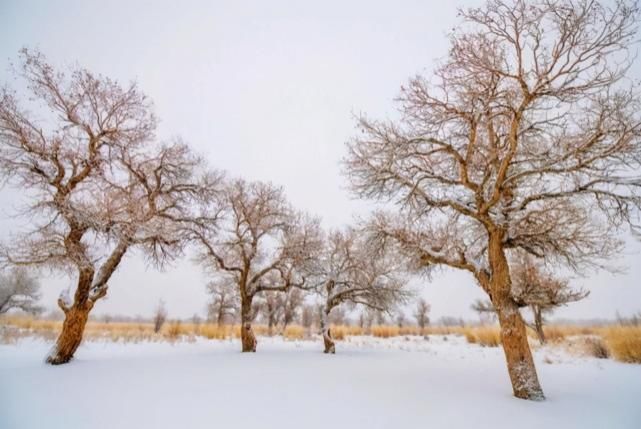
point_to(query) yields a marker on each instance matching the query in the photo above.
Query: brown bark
(71, 335)
(246, 332)
(525, 381)
(330, 346)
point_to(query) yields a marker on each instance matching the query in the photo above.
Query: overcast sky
(265, 90)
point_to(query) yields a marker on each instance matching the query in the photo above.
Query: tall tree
(97, 184)
(526, 137)
(19, 289)
(259, 243)
(350, 273)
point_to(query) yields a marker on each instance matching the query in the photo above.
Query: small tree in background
(349, 273)
(19, 289)
(421, 314)
(160, 316)
(223, 305)
(257, 242)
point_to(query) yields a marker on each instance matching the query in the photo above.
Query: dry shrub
(556, 334)
(383, 331)
(624, 343)
(215, 332)
(595, 347)
(175, 330)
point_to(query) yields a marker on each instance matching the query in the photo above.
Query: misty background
(266, 91)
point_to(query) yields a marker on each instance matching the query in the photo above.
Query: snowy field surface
(371, 383)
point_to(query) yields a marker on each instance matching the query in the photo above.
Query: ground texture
(370, 383)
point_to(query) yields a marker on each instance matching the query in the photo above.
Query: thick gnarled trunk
(520, 364)
(246, 332)
(70, 338)
(330, 346)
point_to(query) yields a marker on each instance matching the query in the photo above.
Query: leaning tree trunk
(246, 332)
(520, 364)
(330, 346)
(76, 316)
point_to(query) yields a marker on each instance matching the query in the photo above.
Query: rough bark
(525, 381)
(71, 335)
(246, 332)
(330, 346)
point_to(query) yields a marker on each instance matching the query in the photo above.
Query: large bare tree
(350, 273)
(19, 289)
(259, 243)
(97, 184)
(526, 137)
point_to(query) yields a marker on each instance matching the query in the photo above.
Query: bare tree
(160, 316)
(271, 307)
(485, 310)
(259, 243)
(349, 273)
(223, 306)
(527, 137)
(99, 184)
(19, 289)
(421, 314)
(542, 292)
(307, 317)
(293, 301)
(401, 319)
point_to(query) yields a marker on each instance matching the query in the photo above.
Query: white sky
(266, 90)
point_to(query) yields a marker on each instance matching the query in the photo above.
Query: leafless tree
(307, 317)
(271, 307)
(541, 292)
(527, 137)
(19, 289)
(422, 314)
(160, 316)
(259, 243)
(98, 184)
(293, 302)
(223, 306)
(485, 310)
(349, 273)
(401, 319)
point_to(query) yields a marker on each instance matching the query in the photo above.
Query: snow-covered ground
(371, 383)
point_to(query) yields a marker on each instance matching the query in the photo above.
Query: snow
(374, 383)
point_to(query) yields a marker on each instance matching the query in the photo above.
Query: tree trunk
(538, 323)
(71, 336)
(246, 332)
(330, 346)
(520, 365)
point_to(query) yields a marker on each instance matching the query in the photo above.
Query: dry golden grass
(486, 336)
(624, 343)
(294, 332)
